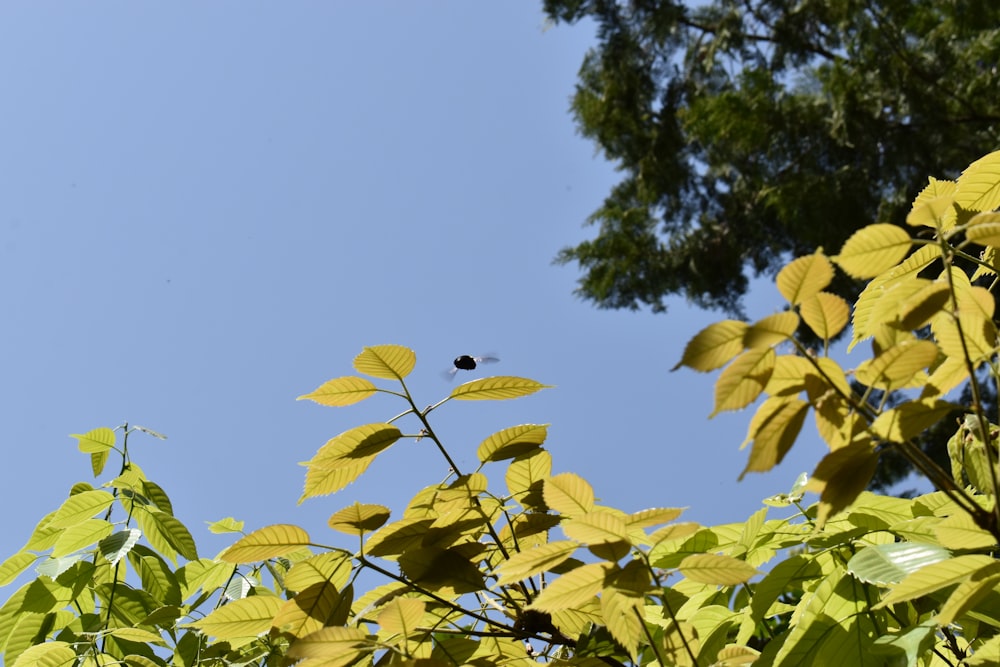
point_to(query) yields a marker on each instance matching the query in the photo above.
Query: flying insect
(468, 363)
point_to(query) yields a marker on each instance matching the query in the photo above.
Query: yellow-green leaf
(80, 536)
(596, 527)
(789, 375)
(98, 441)
(742, 381)
(895, 367)
(80, 507)
(921, 307)
(910, 419)
(268, 542)
(341, 391)
(934, 577)
(322, 480)
(969, 593)
(803, 277)
(388, 362)
(358, 443)
(716, 569)
(332, 566)
(826, 314)
(873, 249)
(246, 617)
(49, 654)
(978, 188)
(771, 330)
(984, 229)
(674, 532)
(401, 616)
(137, 635)
(15, 565)
(358, 519)
(227, 525)
(309, 610)
(512, 442)
(528, 563)
(841, 476)
(525, 476)
(653, 516)
(714, 346)
(496, 388)
(574, 588)
(334, 643)
(961, 532)
(568, 494)
(934, 212)
(773, 430)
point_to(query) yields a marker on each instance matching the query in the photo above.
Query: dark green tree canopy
(748, 130)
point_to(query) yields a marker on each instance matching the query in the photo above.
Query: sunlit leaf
(15, 565)
(826, 314)
(573, 588)
(568, 494)
(978, 188)
(322, 480)
(227, 525)
(528, 563)
(401, 616)
(935, 576)
(773, 430)
(268, 542)
(98, 441)
(388, 362)
(166, 533)
(654, 516)
(922, 306)
(80, 507)
(596, 527)
(771, 330)
(742, 381)
(512, 442)
(804, 277)
(49, 654)
(674, 532)
(342, 644)
(884, 564)
(525, 478)
(496, 388)
(959, 531)
(358, 443)
(341, 391)
(873, 249)
(841, 476)
(80, 536)
(933, 212)
(358, 519)
(896, 366)
(332, 566)
(246, 617)
(717, 569)
(714, 346)
(789, 375)
(910, 419)
(969, 593)
(397, 537)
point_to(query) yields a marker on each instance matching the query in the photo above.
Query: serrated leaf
(496, 388)
(841, 476)
(910, 419)
(358, 519)
(512, 442)
(933, 212)
(534, 561)
(674, 532)
(826, 314)
(309, 610)
(984, 229)
(978, 188)
(961, 532)
(716, 569)
(397, 537)
(873, 249)
(653, 516)
(80, 536)
(97, 441)
(15, 565)
(340, 392)
(884, 564)
(968, 593)
(569, 494)
(401, 616)
(773, 430)
(166, 533)
(771, 330)
(342, 644)
(596, 527)
(924, 304)
(895, 367)
(804, 277)
(525, 478)
(268, 542)
(81, 507)
(388, 362)
(359, 443)
(573, 589)
(246, 617)
(49, 654)
(714, 346)
(332, 566)
(440, 569)
(227, 525)
(742, 381)
(935, 576)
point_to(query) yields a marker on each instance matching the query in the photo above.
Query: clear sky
(209, 208)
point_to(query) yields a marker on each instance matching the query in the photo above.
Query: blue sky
(209, 208)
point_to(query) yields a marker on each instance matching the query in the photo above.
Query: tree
(532, 568)
(748, 131)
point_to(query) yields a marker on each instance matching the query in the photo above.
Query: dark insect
(468, 363)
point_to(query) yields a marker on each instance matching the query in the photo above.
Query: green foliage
(508, 563)
(746, 130)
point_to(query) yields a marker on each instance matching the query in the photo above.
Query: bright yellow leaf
(742, 381)
(804, 276)
(268, 542)
(826, 314)
(388, 362)
(978, 188)
(714, 346)
(873, 249)
(771, 330)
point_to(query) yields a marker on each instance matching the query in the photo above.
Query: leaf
(525, 478)
(246, 617)
(654, 516)
(895, 367)
(716, 569)
(910, 419)
(322, 481)
(49, 654)
(14, 566)
(268, 542)
(309, 610)
(544, 558)
(340, 392)
(80, 536)
(358, 519)
(332, 566)
(401, 616)
(968, 593)
(568, 494)
(445, 570)
(227, 525)
(922, 306)
(841, 476)
(804, 277)
(359, 443)
(714, 346)
(396, 538)
(961, 532)
(884, 564)
(573, 589)
(826, 314)
(166, 533)
(496, 388)
(81, 507)
(388, 362)
(984, 229)
(98, 441)
(742, 381)
(873, 249)
(978, 188)
(935, 576)
(340, 645)
(512, 442)
(597, 527)
(771, 330)
(773, 430)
